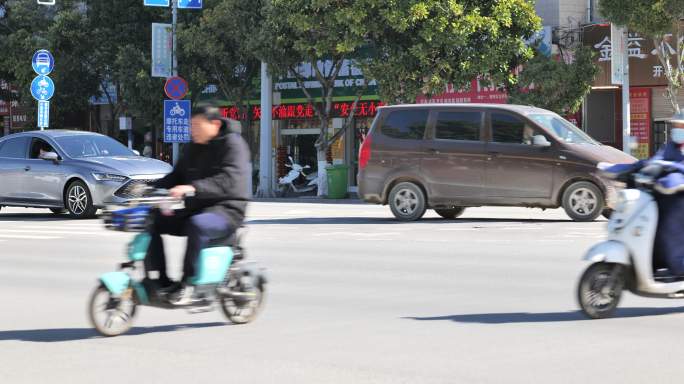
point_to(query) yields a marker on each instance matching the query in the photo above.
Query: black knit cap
(209, 111)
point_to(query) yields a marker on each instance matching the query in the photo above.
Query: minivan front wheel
(407, 201)
(583, 201)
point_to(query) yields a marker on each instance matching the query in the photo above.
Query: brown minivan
(448, 157)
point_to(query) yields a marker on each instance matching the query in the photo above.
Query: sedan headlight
(109, 177)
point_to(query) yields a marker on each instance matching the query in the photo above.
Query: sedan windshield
(563, 129)
(78, 146)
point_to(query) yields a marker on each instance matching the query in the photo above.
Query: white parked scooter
(625, 259)
(288, 181)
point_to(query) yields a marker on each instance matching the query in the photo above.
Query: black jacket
(220, 171)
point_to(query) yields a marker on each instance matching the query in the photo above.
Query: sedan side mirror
(51, 156)
(540, 141)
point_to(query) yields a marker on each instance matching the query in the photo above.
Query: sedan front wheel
(78, 201)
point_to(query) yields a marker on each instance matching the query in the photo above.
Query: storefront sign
(645, 68)
(479, 92)
(306, 111)
(640, 112)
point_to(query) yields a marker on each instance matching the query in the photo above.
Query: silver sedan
(72, 171)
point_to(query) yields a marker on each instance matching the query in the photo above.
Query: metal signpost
(619, 65)
(42, 87)
(175, 4)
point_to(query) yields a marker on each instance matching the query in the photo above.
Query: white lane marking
(30, 237)
(52, 232)
(351, 234)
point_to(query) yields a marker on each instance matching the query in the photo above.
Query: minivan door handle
(433, 151)
(493, 155)
(27, 168)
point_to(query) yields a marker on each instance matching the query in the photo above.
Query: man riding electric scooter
(214, 175)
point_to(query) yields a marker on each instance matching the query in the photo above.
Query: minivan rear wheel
(407, 201)
(451, 213)
(583, 201)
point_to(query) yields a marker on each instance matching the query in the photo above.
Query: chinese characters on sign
(479, 92)
(641, 49)
(176, 121)
(306, 111)
(640, 112)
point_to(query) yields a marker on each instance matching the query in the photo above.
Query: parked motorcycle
(290, 182)
(625, 259)
(224, 278)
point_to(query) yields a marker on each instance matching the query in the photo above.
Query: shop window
(407, 124)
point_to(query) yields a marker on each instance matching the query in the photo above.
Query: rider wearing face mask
(668, 246)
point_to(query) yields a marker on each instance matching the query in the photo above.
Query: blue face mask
(677, 135)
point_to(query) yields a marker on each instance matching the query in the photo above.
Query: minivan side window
(407, 124)
(14, 148)
(507, 129)
(458, 126)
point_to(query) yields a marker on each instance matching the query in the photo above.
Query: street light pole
(174, 64)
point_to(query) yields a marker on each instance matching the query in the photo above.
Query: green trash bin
(337, 181)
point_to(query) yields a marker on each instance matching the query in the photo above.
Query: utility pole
(265, 146)
(626, 114)
(174, 64)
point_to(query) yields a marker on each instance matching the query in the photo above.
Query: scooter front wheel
(600, 289)
(110, 315)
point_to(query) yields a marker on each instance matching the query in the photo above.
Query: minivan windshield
(563, 129)
(79, 146)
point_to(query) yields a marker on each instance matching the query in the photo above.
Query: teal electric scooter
(223, 278)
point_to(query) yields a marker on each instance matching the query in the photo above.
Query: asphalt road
(355, 298)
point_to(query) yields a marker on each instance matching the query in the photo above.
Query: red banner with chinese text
(306, 111)
(640, 120)
(478, 93)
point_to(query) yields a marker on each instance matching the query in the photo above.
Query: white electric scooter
(287, 182)
(625, 259)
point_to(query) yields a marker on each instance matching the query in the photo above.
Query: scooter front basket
(127, 219)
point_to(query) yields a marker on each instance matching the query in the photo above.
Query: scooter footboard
(609, 252)
(116, 282)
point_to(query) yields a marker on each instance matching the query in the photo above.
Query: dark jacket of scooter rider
(668, 246)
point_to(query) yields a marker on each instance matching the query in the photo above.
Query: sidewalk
(311, 200)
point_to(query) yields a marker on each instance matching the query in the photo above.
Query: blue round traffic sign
(176, 88)
(43, 63)
(42, 88)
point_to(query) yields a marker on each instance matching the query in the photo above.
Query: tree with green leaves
(423, 46)
(219, 49)
(553, 84)
(659, 20)
(410, 47)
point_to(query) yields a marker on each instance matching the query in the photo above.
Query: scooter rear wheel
(241, 310)
(109, 315)
(600, 289)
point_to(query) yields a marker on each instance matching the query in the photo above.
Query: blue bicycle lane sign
(42, 88)
(177, 121)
